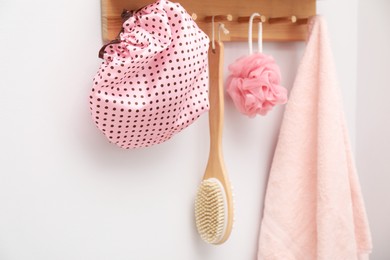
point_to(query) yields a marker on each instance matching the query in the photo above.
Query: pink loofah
(254, 84)
(254, 81)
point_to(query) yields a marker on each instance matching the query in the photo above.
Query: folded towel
(313, 206)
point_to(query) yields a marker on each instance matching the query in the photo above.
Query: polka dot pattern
(154, 82)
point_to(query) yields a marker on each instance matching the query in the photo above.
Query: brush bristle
(210, 211)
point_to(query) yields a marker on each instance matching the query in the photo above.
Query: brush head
(211, 211)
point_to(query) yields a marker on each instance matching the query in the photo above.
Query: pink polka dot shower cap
(153, 81)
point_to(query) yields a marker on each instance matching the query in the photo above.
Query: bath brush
(214, 202)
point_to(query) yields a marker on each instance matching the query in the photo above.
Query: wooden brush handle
(216, 97)
(216, 166)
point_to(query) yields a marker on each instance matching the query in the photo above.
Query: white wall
(373, 125)
(65, 193)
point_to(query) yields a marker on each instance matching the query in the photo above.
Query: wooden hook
(301, 21)
(219, 18)
(284, 19)
(245, 19)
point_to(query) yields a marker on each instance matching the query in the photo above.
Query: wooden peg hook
(301, 21)
(245, 19)
(219, 18)
(194, 16)
(284, 19)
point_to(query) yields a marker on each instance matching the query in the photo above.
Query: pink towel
(314, 207)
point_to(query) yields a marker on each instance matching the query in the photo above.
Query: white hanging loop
(212, 34)
(259, 36)
(222, 28)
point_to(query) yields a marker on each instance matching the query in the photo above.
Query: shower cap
(153, 81)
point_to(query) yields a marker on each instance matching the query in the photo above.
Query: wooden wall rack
(287, 18)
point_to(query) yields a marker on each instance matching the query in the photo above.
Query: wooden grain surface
(111, 21)
(216, 165)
